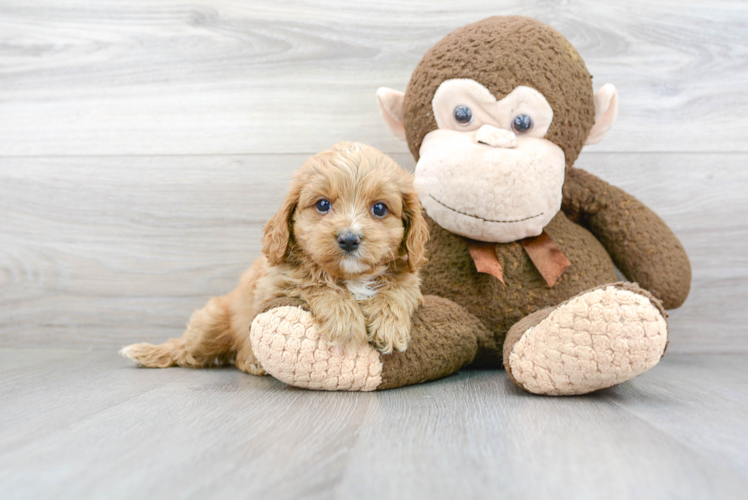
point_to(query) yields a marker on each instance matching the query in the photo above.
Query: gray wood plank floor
(88, 425)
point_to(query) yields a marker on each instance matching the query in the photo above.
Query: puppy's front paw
(388, 332)
(341, 326)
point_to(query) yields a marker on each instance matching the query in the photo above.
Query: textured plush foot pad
(596, 340)
(287, 344)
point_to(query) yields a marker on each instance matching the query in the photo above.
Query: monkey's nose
(496, 137)
(348, 241)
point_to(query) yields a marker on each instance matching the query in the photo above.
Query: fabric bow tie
(542, 250)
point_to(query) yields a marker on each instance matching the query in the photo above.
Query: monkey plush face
(494, 114)
(502, 142)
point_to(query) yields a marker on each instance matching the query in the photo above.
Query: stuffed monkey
(524, 246)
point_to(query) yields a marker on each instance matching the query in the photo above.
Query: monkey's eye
(463, 115)
(323, 206)
(379, 209)
(521, 124)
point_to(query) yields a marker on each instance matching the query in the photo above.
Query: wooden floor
(144, 144)
(77, 424)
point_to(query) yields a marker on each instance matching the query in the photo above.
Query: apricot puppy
(347, 241)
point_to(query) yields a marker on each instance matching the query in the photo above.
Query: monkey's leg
(598, 339)
(287, 344)
(208, 341)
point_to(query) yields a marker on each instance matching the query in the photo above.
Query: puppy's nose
(348, 241)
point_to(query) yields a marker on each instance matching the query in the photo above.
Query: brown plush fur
(443, 340)
(599, 227)
(303, 261)
(451, 273)
(502, 53)
(640, 243)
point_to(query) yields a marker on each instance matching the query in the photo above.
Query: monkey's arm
(640, 243)
(288, 345)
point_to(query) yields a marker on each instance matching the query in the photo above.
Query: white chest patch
(353, 266)
(362, 289)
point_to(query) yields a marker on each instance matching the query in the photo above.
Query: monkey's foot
(288, 346)
(600, 338)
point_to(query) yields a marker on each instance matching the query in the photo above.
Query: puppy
(347, 241)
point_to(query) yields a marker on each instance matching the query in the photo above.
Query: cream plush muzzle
(482, 179)
(517, 193)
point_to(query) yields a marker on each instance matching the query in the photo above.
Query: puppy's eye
(463, 115)
(379, 209)
(521, 124)
(323, 206)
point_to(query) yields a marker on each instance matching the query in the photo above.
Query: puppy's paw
(388, 332)
(343, 325)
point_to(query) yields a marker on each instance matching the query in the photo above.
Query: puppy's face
(351, 210)
(347, 223)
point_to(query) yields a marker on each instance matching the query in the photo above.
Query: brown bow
(542, 250)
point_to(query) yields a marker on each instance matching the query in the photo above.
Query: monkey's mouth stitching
(483, 219)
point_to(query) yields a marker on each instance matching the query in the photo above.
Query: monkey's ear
(391, 107)
(606, 110)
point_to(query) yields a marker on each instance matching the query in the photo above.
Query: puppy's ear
(278, 229)
(416, 231)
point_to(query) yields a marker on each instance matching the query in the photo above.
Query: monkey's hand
(640, 243)
(289, 347)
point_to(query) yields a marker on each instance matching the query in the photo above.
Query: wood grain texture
(144, 144)
(135, 77)
(88, 425)
(104, 251)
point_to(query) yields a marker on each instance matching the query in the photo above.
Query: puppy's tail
(157, 356)
(208, 341)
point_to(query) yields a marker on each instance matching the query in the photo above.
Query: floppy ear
(278, 229)
(416, 231)
(391, 107)
(606, 110)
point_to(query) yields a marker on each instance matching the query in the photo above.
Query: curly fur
(369, 294)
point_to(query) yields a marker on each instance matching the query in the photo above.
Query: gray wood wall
(144, 143)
